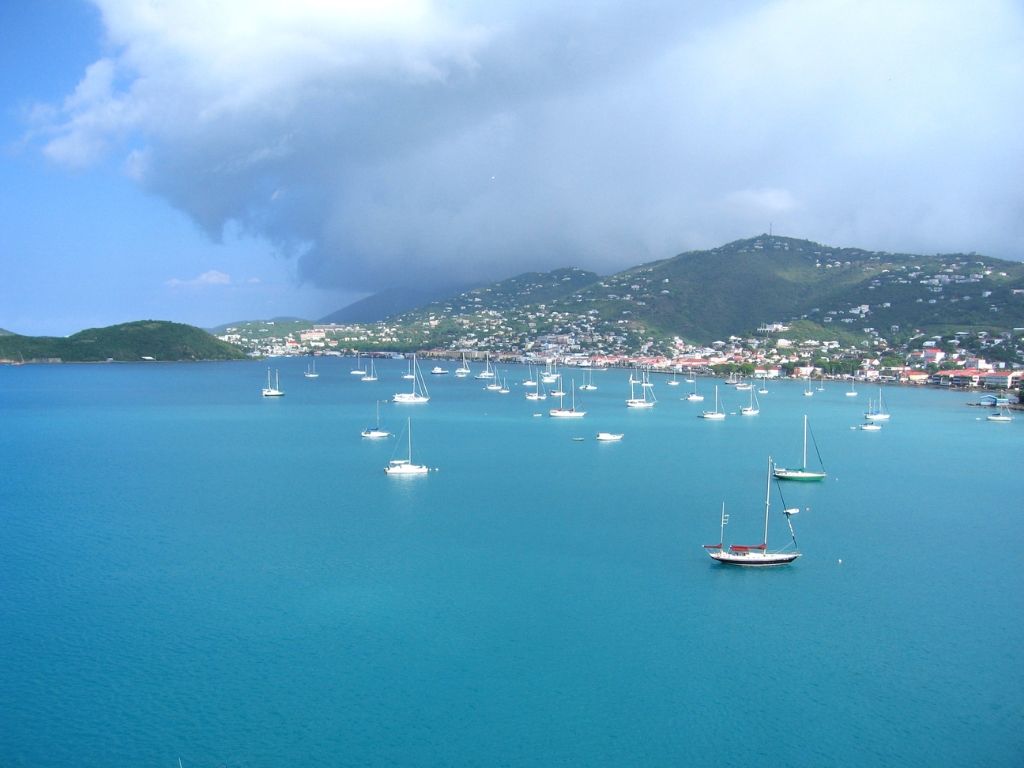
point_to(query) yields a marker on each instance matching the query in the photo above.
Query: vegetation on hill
(144, 339)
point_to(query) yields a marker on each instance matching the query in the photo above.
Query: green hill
(144, 339)
(733, 290)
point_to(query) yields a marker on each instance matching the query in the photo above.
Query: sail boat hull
(754, 559)
(801, 475)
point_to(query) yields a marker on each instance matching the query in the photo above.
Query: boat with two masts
(419, 393)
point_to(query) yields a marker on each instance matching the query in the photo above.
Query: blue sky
(213, 161)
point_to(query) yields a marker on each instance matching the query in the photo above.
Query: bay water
(190, 570)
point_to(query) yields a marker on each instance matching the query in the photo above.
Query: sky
(206, 161)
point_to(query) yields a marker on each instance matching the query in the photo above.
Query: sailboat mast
(408, 429)
(804, 465)
(767, 502)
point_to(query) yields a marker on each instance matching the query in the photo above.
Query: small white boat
(437, 370)
(273, 390)
(588, 383)
(609, 437)
(808, 392)
(375, 433)
(463, 370)
(1003, 417)
(853, 389)
(487, 372)
(673, 382)
(311, 370)
(405, 466)
(419, 392)
(371, 375)
(754, 408)
(802, 473)
(567, 413)
(870, 426)
(715, 415)
(647, 398)
(693, 397)
(504, 387)
(358, 370)
(876, 411)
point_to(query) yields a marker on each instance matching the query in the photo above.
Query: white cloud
(211, 277)
(412, 140)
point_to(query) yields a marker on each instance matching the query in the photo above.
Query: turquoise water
(190, 570)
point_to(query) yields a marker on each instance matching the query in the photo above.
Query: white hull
(870, 427)
(273, 393)
(375, 434)
(609, 437)
(750, 411)
(713, 415)
(406, 398)
(999, 419)
(565, 413)
(754, 559)
(797, 474)
(636, 403)
(695, 398)
(876, 416)
(403, 467)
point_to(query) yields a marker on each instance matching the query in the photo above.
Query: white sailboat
(646, 399)
(495, 384)
(588, 382)
(558, 391)
(463, 370)
(673, 382)
(1002, 417)
(715, 415)
(754, 408)
(487, 372)
(877, 412)
(608, 437)
(821, 383)
(853, 388)
(419, 392)
(504, 387)
(371, 375)
(802, 473)
(405, 466)
(376, 432)
(808, 392)
(763, 390)
(529, 381)
(756, 555)
(409, 375)
(538, 392)
(550, 376)
(273, 390)
(693, 397)
(358, 370)
(311, 370)
(562, 412)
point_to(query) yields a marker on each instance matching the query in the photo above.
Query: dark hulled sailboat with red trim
(757, 555)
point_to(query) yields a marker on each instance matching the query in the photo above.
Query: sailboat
(693, 397)
(487, 372)
(756, 555)
(821, 383)
(689, 375)
(409, 375)
(672, 382)
(311, 370)
(1003, 416)
(495, 385)
(764, 387)
(808, 392)
(405, 466)
(463, 370)
(358, 370)
(372, 374)
(562, 412)
(853, 388)
(754, 408)
(643, 401)
(715, 415)
(538, 393)
(878, 412)
(550, 376)
(376, 432)
(802, 473)
(588, 382)
(608, 437)
(275, 390)
(504, 390)
(529, 381)
(419, 392)
(558, 391)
